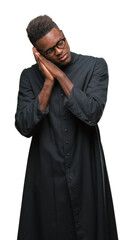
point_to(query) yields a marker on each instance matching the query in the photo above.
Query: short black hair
(39, 27)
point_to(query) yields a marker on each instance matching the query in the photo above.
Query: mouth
(63, 58)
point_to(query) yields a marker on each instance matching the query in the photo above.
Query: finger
(46, 71)
(43, 59)
(36, 56)
(35, 51)
(48, 64)
(44, 68)
(40, 62)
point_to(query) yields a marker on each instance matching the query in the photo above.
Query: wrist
(49, 81)
(60, 76)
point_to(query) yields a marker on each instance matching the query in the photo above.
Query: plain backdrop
(100, 28)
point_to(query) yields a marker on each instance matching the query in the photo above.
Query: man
(60, 101)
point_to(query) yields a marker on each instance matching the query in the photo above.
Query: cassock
(66, 194)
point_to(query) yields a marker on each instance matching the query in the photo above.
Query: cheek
(50, 58)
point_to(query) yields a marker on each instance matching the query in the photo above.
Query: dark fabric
(66, 193)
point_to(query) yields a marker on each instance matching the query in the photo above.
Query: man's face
(61, 56)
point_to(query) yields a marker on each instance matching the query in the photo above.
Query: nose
(58, 51)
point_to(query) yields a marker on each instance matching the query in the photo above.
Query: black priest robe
(66, 193)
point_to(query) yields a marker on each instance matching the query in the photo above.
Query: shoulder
(32, 73)
(32, 69)
(33, 78)
(87, 59)
(27, 74)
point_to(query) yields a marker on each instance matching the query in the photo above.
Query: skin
(49, 66)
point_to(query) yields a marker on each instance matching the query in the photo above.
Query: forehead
(50, 39)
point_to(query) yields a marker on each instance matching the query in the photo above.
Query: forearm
(45, 94)
(65, 83)
(28, 113)
(88, 103)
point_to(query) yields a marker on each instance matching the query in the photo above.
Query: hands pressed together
(49, 69)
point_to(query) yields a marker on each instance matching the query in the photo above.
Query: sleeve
(28, 114)
(88, 105)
